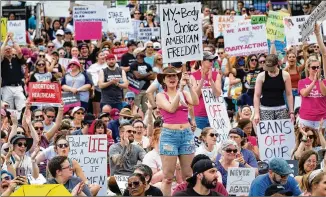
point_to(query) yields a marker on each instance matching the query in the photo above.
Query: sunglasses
(50, 116)
(131, 131)
(314, 67)
(316, 47)
(253, 60)
(213, 134)
(220, 53)
(128, 118)
(159, 59)
(262, 62)
(311, 136)
(40, 116)
(150, 47)
(117, 44)
(20, 133)
(43, 56)
(20, 144)
(130, 99)
(149, 14)
(231, 150)
(63, 145)
(135, 184)
(282, 176)
(39, 128)
(80, 113)
(41, 64)
(7, 178)
(51, 46)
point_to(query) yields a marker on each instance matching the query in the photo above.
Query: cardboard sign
(246, 40)
(118, 52)
(224, 22)
(82, 30)
(90, 151)
(319, 14)
(239, 181)
(146, 33)
(61, 8)
(181, 32)
(217, 114)
(18, 29)
(135, 25)
(122, 182)
(70, 100)
(3, 28)
(64, 62)
(258, 19)
(45, 94)
(292, 29)
(276, 139)
(119, 20)
(275, 26)
(91, 14)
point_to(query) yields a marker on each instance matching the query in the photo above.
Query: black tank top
(272, 90)
(112, 94)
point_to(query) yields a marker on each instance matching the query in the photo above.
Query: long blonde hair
(311, 60)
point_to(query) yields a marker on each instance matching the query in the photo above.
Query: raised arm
(49, 135)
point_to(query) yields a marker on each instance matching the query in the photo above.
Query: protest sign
(240, 23)
(91, 14)
(258, 19)
(3, 28)
(146, 33)
(135, 25)
(181, 32)
(292, 29)
(122, 182)
(56, 8)
(239, 180)
(64, 62)
(197, 134)
(70, 100)
(319, 14)
(275, 26)
(90, 151)
(217, 114)
(119, 20)
(224, 22)
(18, 29)
(246, 40)
(90, 3)
(118, 52)
(42, 93)
(276, 139)
(121, 3)
(297, 102)
(82, 30)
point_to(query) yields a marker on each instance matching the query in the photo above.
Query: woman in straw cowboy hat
(176, 137)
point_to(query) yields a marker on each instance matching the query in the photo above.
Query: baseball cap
(130, 95)
(277, 188)
(110, 56)
(114, 113)
(280, 167)
(199, 167)
(209, 56)
(156, 45)
(60, 32)
(103, 115)
(238, 131)
(89, 118)
(75, 109)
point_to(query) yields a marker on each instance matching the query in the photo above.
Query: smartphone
(20, 171)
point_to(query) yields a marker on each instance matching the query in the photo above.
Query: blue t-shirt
(262, 182)
(114, 126)
(248, 156)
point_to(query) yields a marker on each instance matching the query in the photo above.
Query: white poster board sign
(245, 40)
(181, 32)
(197, 134)
(122, 182)
(18, 29)
(319, 14)
(119, 20)
(239, 181)
(276, 139)
(297, 102)
(292, 30)
(61, 8)
(91, 14)
(64, 62)
(222, 22)
(217, 114)
(90, 151)
(146, 33)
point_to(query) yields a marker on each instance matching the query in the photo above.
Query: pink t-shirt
(200, 109)
(313, 107)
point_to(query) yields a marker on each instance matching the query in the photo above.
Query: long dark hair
(99, 123)
(36, 69)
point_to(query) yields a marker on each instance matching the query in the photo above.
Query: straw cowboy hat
(167, 71)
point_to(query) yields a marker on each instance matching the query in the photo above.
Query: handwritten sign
(118, 52)
(18, 29)
(197, 134)
(90, 151)
(319, 14)
(82, 30)
(45, 93)
(3, 28)
(224, 22)
(181, 30)
(292, 29)
(56, 8)
(146, 33)
(239, 180)
(276, 139)
(119, 20)
(64, 62)
(122, 182)
(91, 14)
(217, 114)
(135, 25)
(258, 19)
(246, 40)
(275, 26)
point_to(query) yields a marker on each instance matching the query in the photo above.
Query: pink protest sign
(88, 30)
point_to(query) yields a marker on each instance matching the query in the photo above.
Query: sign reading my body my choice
(181, 32)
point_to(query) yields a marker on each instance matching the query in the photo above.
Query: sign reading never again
(181, 32)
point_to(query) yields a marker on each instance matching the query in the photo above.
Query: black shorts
(97, 97)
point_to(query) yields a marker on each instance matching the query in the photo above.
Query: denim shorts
(177, 142)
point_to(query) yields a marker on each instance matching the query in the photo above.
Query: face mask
(124, 121)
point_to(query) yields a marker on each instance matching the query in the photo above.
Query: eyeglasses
(51, 46)
(253, 60)
(40, 116)
(231, 150)
(130, 99)
(42, 56)
(314, 67)
(312, 162)
(149, 14)
(150, 47)
(135, 184)
(41, 64)
(65, 145)
(159, 59)
(213, 134)
(262, 62)
(39, 128)
(80, 113)
(20, 133)
(311, 136)
(7, 178)
(50, 116)
(68, 167)
(20, 144)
